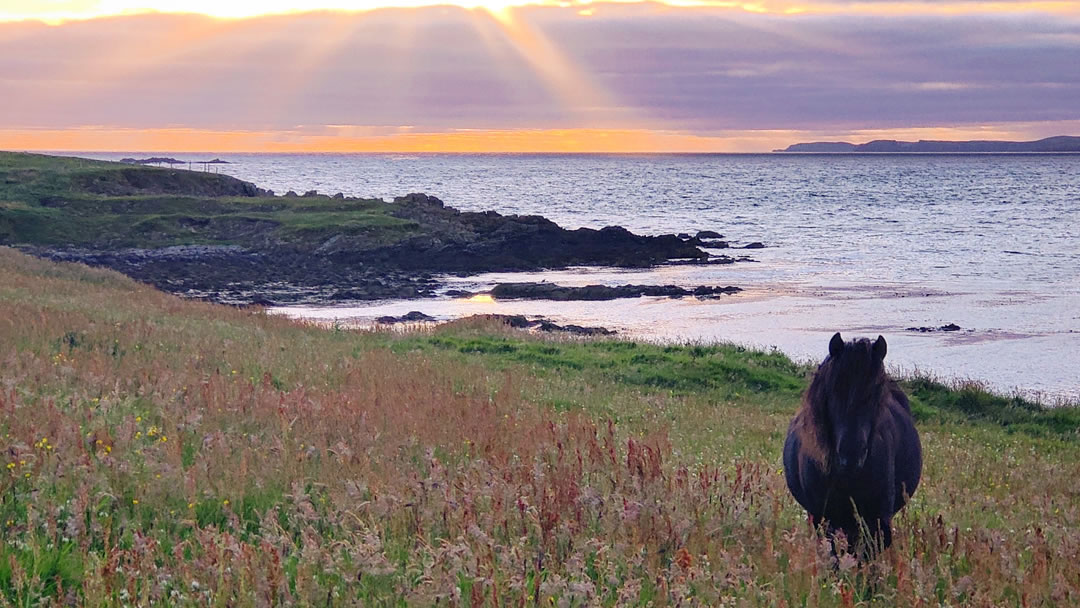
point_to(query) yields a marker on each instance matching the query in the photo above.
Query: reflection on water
(1012, 341)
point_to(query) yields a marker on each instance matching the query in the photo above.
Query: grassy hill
(182, 453)
(61, 201)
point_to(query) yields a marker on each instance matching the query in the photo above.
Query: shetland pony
(852, 456)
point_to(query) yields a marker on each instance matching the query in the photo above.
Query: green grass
(725, 371)
(174, 452)
(60, 201)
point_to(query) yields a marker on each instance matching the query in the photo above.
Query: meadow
(159, 451)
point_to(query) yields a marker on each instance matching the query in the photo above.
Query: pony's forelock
(812, 423)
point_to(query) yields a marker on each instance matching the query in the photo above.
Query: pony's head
(844, 401)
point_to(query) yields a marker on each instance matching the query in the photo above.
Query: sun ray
(573, 87)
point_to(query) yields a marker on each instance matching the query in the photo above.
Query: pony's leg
(886, 533)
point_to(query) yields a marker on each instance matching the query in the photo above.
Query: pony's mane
(811, 424)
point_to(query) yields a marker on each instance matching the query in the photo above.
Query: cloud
(623, 67)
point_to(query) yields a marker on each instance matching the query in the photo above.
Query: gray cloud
(444, 68)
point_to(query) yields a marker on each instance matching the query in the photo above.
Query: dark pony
(852, 456)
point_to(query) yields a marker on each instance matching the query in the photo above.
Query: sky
(498, 76)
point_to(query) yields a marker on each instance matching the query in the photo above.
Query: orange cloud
(58, 11)
(346, 139)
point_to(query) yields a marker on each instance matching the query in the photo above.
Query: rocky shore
(219, 238)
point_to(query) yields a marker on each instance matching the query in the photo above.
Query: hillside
(169, 451)
(1060, 143)
(217, 237)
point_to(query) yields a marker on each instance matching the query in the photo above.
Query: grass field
(58, 201)
(170, 452)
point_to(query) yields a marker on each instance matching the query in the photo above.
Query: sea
(863, 244)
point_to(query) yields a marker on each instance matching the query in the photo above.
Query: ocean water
(862, 244)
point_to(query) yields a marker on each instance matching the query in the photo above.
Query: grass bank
(169, 451)
(62, 201)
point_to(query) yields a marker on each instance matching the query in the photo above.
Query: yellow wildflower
(134, 501)
(226, 503)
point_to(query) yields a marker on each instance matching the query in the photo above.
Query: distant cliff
(1061, 143)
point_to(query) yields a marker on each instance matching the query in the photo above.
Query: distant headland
(1060, 143)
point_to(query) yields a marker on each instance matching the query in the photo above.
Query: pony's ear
(836, 345)
(880, 347)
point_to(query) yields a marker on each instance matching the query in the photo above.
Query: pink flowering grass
(169, 452)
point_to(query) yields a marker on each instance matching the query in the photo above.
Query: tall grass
(160, 451)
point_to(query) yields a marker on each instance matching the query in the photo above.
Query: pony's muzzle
(848, 464)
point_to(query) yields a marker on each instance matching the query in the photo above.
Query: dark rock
(339, 196)
(409, 317)
(949, 327)
(755, 245)
(291, 194)
(684, 236)
(709, 234)
(551, 291)
(523, 322)
(458, 293)
(311, 194)
(418, 199)
(489, 242)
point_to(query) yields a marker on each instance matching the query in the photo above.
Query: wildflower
(22, 463)
(11, 465)
(191, 505)
(138, 434)
(108, 449)
(226, 503)
(164, 438)
(138, 418)
(10, 522)
(134, 501)
(27, 475)
(99, 442)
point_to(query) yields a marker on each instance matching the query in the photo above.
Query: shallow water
(865, 244)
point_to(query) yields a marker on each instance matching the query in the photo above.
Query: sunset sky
(495, 75)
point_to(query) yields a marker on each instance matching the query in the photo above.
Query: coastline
(999, 345)
(772, 311)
